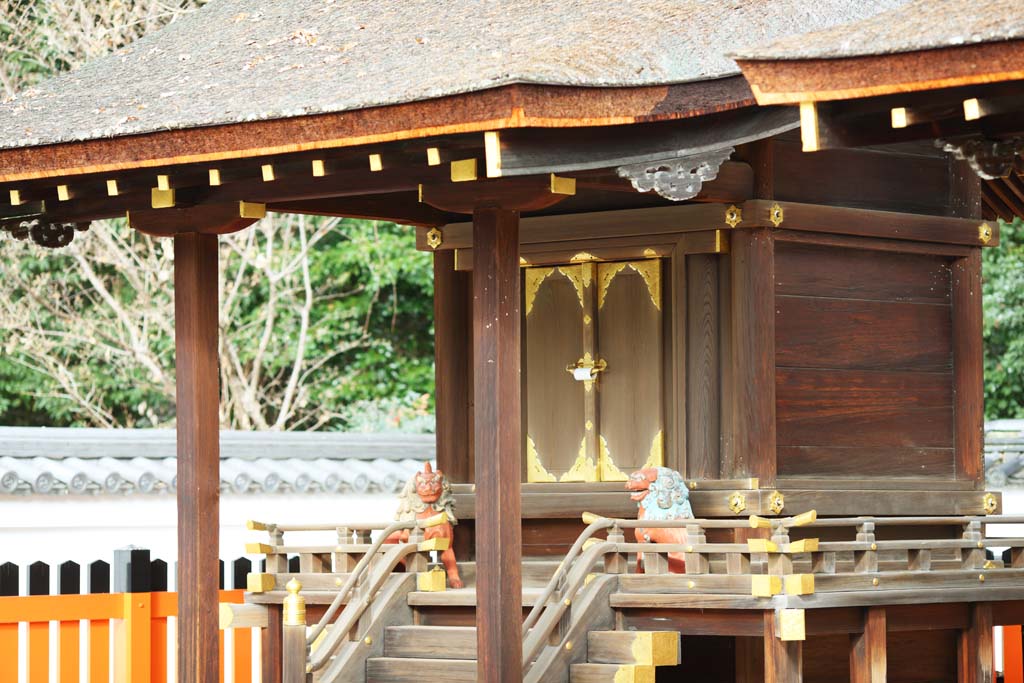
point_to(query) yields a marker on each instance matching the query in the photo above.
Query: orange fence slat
(220, 635)
(39, 652)
(158, 650)
(243, 655)
(8, 652)
(67, 663)
(133, 639)
(57, 607)
(99, 651)
(1013, 655)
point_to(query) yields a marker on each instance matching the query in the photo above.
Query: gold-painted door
(603, 318)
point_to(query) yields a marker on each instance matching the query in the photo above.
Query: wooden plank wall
(864, 363)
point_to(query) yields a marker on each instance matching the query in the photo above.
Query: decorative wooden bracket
(990, 159)
(215, 219)
(678, 178)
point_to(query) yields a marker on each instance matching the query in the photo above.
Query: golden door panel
(629, 340)
(555, 410)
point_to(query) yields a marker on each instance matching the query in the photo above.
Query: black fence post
(69, 578)
(131, 570)
(9, 579)
(98, 577)
(39, 578)
(157, 576)
(240, 569)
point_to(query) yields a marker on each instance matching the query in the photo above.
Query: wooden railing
(136, 623)
(763, 567)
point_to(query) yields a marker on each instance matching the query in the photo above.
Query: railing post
(615, 563)
(276, 563)
(133, 639)
(972, 558)
(696, 563)
(780, 564)
(293, 635)
(343, 561)
(866, 561)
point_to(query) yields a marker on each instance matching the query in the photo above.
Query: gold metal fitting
(981, 544)
(737, 502)
(985, 233)
(981, 578)
(874, 582)
(691, 584)
(567, 602)
(775, 215)
(776, 501)
(989, 564)
(568, 645)
(989, 503)
(733, 216)
(874, 546)
(294, 605)
(434, 238)
(368, 640)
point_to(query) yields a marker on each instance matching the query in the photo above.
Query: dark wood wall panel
(864, 408)
(860, 462)
(813, 270)
(703, 386)
(854, 334)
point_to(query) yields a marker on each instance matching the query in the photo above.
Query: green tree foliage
(325, 323)
(1003, 292)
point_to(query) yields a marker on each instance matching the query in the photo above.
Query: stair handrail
(356, 574)
(354, 610)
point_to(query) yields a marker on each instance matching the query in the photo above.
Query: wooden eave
(819, 80)
(513, 106)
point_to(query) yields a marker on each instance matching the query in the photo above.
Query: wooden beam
(783, 659)
(451, 372)
(531, 193)
(198, 395)
(974, 646)
(968, 375)
(867, 649)
(497, 443)
(753, 357)
(214, 219)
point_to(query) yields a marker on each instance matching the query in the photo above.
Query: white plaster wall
(86, 528)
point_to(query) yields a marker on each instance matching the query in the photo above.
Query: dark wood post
(974, 646)
(451, 344)
(497, 444)
(783, 659)
(868, 659)
(198, 394)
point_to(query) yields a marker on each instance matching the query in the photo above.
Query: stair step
(611, 673)
(430, 642)
(417, 670)
(649, 648)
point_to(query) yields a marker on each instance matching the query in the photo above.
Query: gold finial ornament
(733, 216)
(776, 501)
(775, 214)
(737, 502)
(989, 503)
(294, 605)
(985, 233)
(434, 238)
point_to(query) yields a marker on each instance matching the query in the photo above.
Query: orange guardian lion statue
(427, 494)
(661, 493)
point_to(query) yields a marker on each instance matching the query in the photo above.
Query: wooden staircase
(415, 653)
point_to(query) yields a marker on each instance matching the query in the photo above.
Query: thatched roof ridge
(918, 25)
(238, 61)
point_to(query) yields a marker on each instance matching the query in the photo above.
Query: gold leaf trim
(609, 472)
(575, 274)
(535, 471)
(583, 469)
(605, 274)
(650, 271)
(656, 456)
(534, 279)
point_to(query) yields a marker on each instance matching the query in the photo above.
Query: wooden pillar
(198, 396)
(497, 444)
(783, 659)
(451, 371)
(968, 370)
(868, 659)
(753, 357)
(974, 646)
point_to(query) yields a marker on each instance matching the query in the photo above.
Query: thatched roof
(238, 61)
(918, 25)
